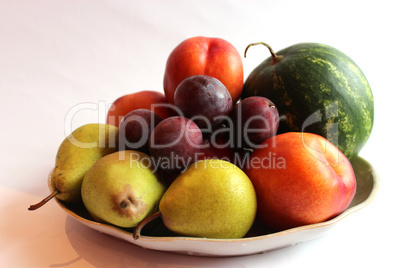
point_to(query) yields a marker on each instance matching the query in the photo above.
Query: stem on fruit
(275, 57)
(137, 230)
(44, 201)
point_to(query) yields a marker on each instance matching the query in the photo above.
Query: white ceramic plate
(155, 236)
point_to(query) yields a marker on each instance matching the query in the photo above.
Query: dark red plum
(174, 143)
(135, 129)
(204, 99)
(255, 119)
(217, 147)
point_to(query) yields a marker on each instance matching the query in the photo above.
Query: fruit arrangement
(212, 156)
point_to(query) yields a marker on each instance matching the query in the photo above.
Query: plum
(254, 119)
(174, 143)
(204, 99)
(135, 129)
(217, 147)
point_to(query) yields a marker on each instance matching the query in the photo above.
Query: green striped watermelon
(316, 89)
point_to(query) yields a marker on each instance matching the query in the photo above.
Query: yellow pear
(122, 188)
(78, 152)
(213, 198)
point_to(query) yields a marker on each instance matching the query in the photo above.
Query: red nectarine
(208, 56)
(139, 100)
(300, 179)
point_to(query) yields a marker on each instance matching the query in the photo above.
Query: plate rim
(154, 239)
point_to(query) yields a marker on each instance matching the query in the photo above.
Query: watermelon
(317, 89)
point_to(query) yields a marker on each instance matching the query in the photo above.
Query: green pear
(76, 155)
(212, 198)
(122, 188)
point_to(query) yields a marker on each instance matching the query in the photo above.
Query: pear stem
(44, 201)
(137, 230)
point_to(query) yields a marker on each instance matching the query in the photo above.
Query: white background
(55, 55)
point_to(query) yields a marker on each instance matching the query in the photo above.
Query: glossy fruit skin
(174, 143)
(300, 179)
(317, 89)
(139, 100)
(202, 55)
(255, 119)
(204, 99)
(136, 128)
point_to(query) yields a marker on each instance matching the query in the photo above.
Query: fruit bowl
(157, 237)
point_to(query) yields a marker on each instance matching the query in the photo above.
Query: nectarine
(139, 100)
(300, 179)
(208, 56)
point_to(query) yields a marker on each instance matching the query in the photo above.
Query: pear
(122, 188)
(76, 155)
(213, 199)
